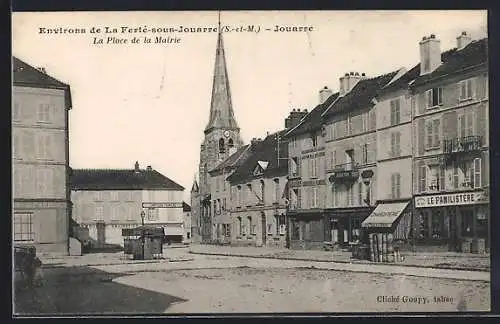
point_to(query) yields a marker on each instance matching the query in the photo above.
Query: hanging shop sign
(462, 198)
(367, 174)
(162, 205)
(345, 175)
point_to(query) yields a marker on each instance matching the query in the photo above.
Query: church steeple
(221, 107)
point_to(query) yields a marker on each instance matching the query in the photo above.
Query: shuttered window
(477, 173)
(396, 185)
(466, 89)
(423, 178)
(395, 112)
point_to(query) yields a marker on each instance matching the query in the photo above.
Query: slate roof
(361, 95)
(265, 150)
(186, 207)
(232, 161)
(402, 82)
(455, 61)
(313, 120)
(121, 179)
(25, 75)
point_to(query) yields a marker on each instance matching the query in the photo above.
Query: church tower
(222, 134)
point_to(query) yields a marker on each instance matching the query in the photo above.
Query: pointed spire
(221, 107)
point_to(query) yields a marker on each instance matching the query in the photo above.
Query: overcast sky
(150, 102)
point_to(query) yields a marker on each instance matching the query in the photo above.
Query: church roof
(233, 160)
(221, 107)
(121, 179)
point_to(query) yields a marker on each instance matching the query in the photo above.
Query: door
(101, 233)
(264, 228)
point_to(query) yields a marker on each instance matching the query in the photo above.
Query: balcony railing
(462, 144)
(344, 172)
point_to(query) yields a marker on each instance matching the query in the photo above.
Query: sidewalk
(437, 260)
(101, 259)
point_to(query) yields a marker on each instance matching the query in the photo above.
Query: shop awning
(385, 214)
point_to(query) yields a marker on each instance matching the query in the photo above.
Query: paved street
(193, 283)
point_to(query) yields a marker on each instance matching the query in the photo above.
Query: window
(249, 194)
(466, 124)
(360, 193)
(395, 112)
(153, 214)
(365, 153)
(467, 220)
(477, 173)
(23, 227)
(251, 227)
(396, 185)
(432, 128)
(224, 204)
(98, 196)
(456, 176)
(334, 196)
(422, 184)
(466, 89)
(99, 213)
(44, 181)
(432, 225)
(276, 195)
(395, 144)
(115, 213)
(334, 159)
(43, 112)
(227, 230)
(240, 227)
(314, 197)
(28, 141)
(238, 197)
(350, 195)
(434, 97)
(314, 140)
(114, 196)
(222, 149)
(262, 191)
(314, 168)
(43, 147)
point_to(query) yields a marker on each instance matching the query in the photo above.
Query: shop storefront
(392, 217)
(459, 220)
(343, 225)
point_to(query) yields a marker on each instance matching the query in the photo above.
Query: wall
(39, 164)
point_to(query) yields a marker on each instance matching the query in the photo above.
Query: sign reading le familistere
(465, 198)
(162, 205)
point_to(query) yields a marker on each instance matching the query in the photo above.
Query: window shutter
(470, 123)
(392, 145)
(440, 96)
(461, 85)
(392, 186)
(398, 185)
(456, 177)
(397, 143)
(441, 178)
(436, 125)
(430, 136)
(477, 173)
(423, 178)
(461, 126)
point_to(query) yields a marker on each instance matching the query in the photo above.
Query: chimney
(463, 40)
(149, 168)
(136, 166)
(348, 81)
(430, 54)
(294, 118)
(42, 69)
(324, 94)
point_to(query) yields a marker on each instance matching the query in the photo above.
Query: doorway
(264, 228)
(101, 233)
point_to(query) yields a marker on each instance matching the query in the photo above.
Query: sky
(150, 102)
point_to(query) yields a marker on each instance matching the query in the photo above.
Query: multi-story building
(451, 160)
(186, 210)
(258, 200)
(40, 155)
(394, 158)
(351, 152)
(220, 194)
(222, 138)
(306, 176)
(105, 201)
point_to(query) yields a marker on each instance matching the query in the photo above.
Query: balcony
(462, 145)
(344, 172)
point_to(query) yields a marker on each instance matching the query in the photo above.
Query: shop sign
(463, 198)
(162, 205)
(344, 175)
(294, 183)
